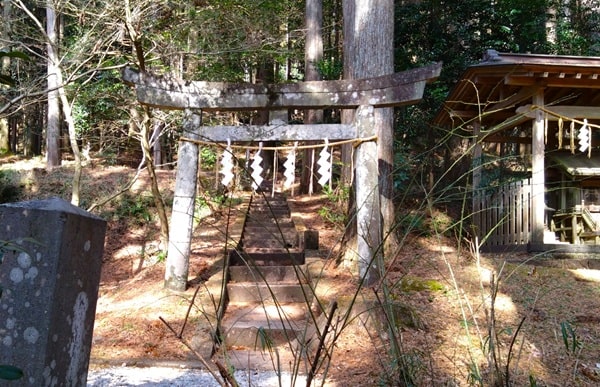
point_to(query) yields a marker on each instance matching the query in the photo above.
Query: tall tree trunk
(4, 69)
(53, 158)
(369, 32)
(144, 124)
(313, 53)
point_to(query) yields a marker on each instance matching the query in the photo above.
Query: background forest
(68, 94)
(62, 99)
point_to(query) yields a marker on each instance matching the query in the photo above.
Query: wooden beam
(509, 123)
(589, 112)
(276, 132)
(518, 97)
(585, 81)
(507, 139)
(389, 90)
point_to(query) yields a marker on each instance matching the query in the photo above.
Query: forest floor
(539, 315)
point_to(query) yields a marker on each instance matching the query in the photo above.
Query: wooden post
(368, 216)
(537, 172)
(182, 217)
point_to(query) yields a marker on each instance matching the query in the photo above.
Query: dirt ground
(539, 314)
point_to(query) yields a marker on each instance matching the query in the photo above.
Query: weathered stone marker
(50, 275)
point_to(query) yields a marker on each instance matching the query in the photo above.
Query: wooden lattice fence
(502, 217)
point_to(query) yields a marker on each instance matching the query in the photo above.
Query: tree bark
(4, 69)
(144, 124)
(368, 34)
(53, 158)
(313, 53)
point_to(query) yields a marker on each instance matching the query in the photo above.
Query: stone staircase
(269, 288)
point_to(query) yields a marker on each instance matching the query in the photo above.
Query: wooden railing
(502, 217)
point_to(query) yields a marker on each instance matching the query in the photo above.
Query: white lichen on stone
(24, 260)
(31, 273)
(7, 341)
(31, 335)
(10, 323)
(87, 245)
(76, 350)
(16, 275)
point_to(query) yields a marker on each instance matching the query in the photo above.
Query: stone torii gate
(364, 95)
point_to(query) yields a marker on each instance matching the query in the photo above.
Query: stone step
(268, 243)
(266, 257)
(257, 326)
(247, 292)
(269, 274)
(261, 233)
(253, 228)
(262, 221)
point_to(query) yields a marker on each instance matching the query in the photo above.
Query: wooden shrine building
(533, 121)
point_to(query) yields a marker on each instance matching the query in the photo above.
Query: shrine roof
(492, 90)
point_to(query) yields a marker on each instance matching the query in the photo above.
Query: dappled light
(588, 275)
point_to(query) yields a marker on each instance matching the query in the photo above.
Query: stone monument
(50, 272)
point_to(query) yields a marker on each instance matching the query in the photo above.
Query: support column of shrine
(538, 176)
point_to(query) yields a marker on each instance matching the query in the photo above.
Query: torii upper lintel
(397, 89)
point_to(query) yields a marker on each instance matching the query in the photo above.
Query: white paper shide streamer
(584, 137)
(227, 165)
(324, 165)
(257, 169)
(290, 168)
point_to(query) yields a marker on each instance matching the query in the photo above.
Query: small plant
(161, 256)
(335, 213)
(135, 208)
(208, 157)
(330, 69)
(570, 339)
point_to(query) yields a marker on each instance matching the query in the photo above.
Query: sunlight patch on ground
(504, 303)
(486, 275)
(442, 248)
(27, 164)
(128, 251)
(112, 304)
(587, 274)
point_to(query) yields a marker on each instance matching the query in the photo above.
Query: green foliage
(135, 208)
(161, 256)
(99, 111)
(330, 69)
(208, 157)
(415, 284)
(335, 212)
(8, 372)
(570, 339)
